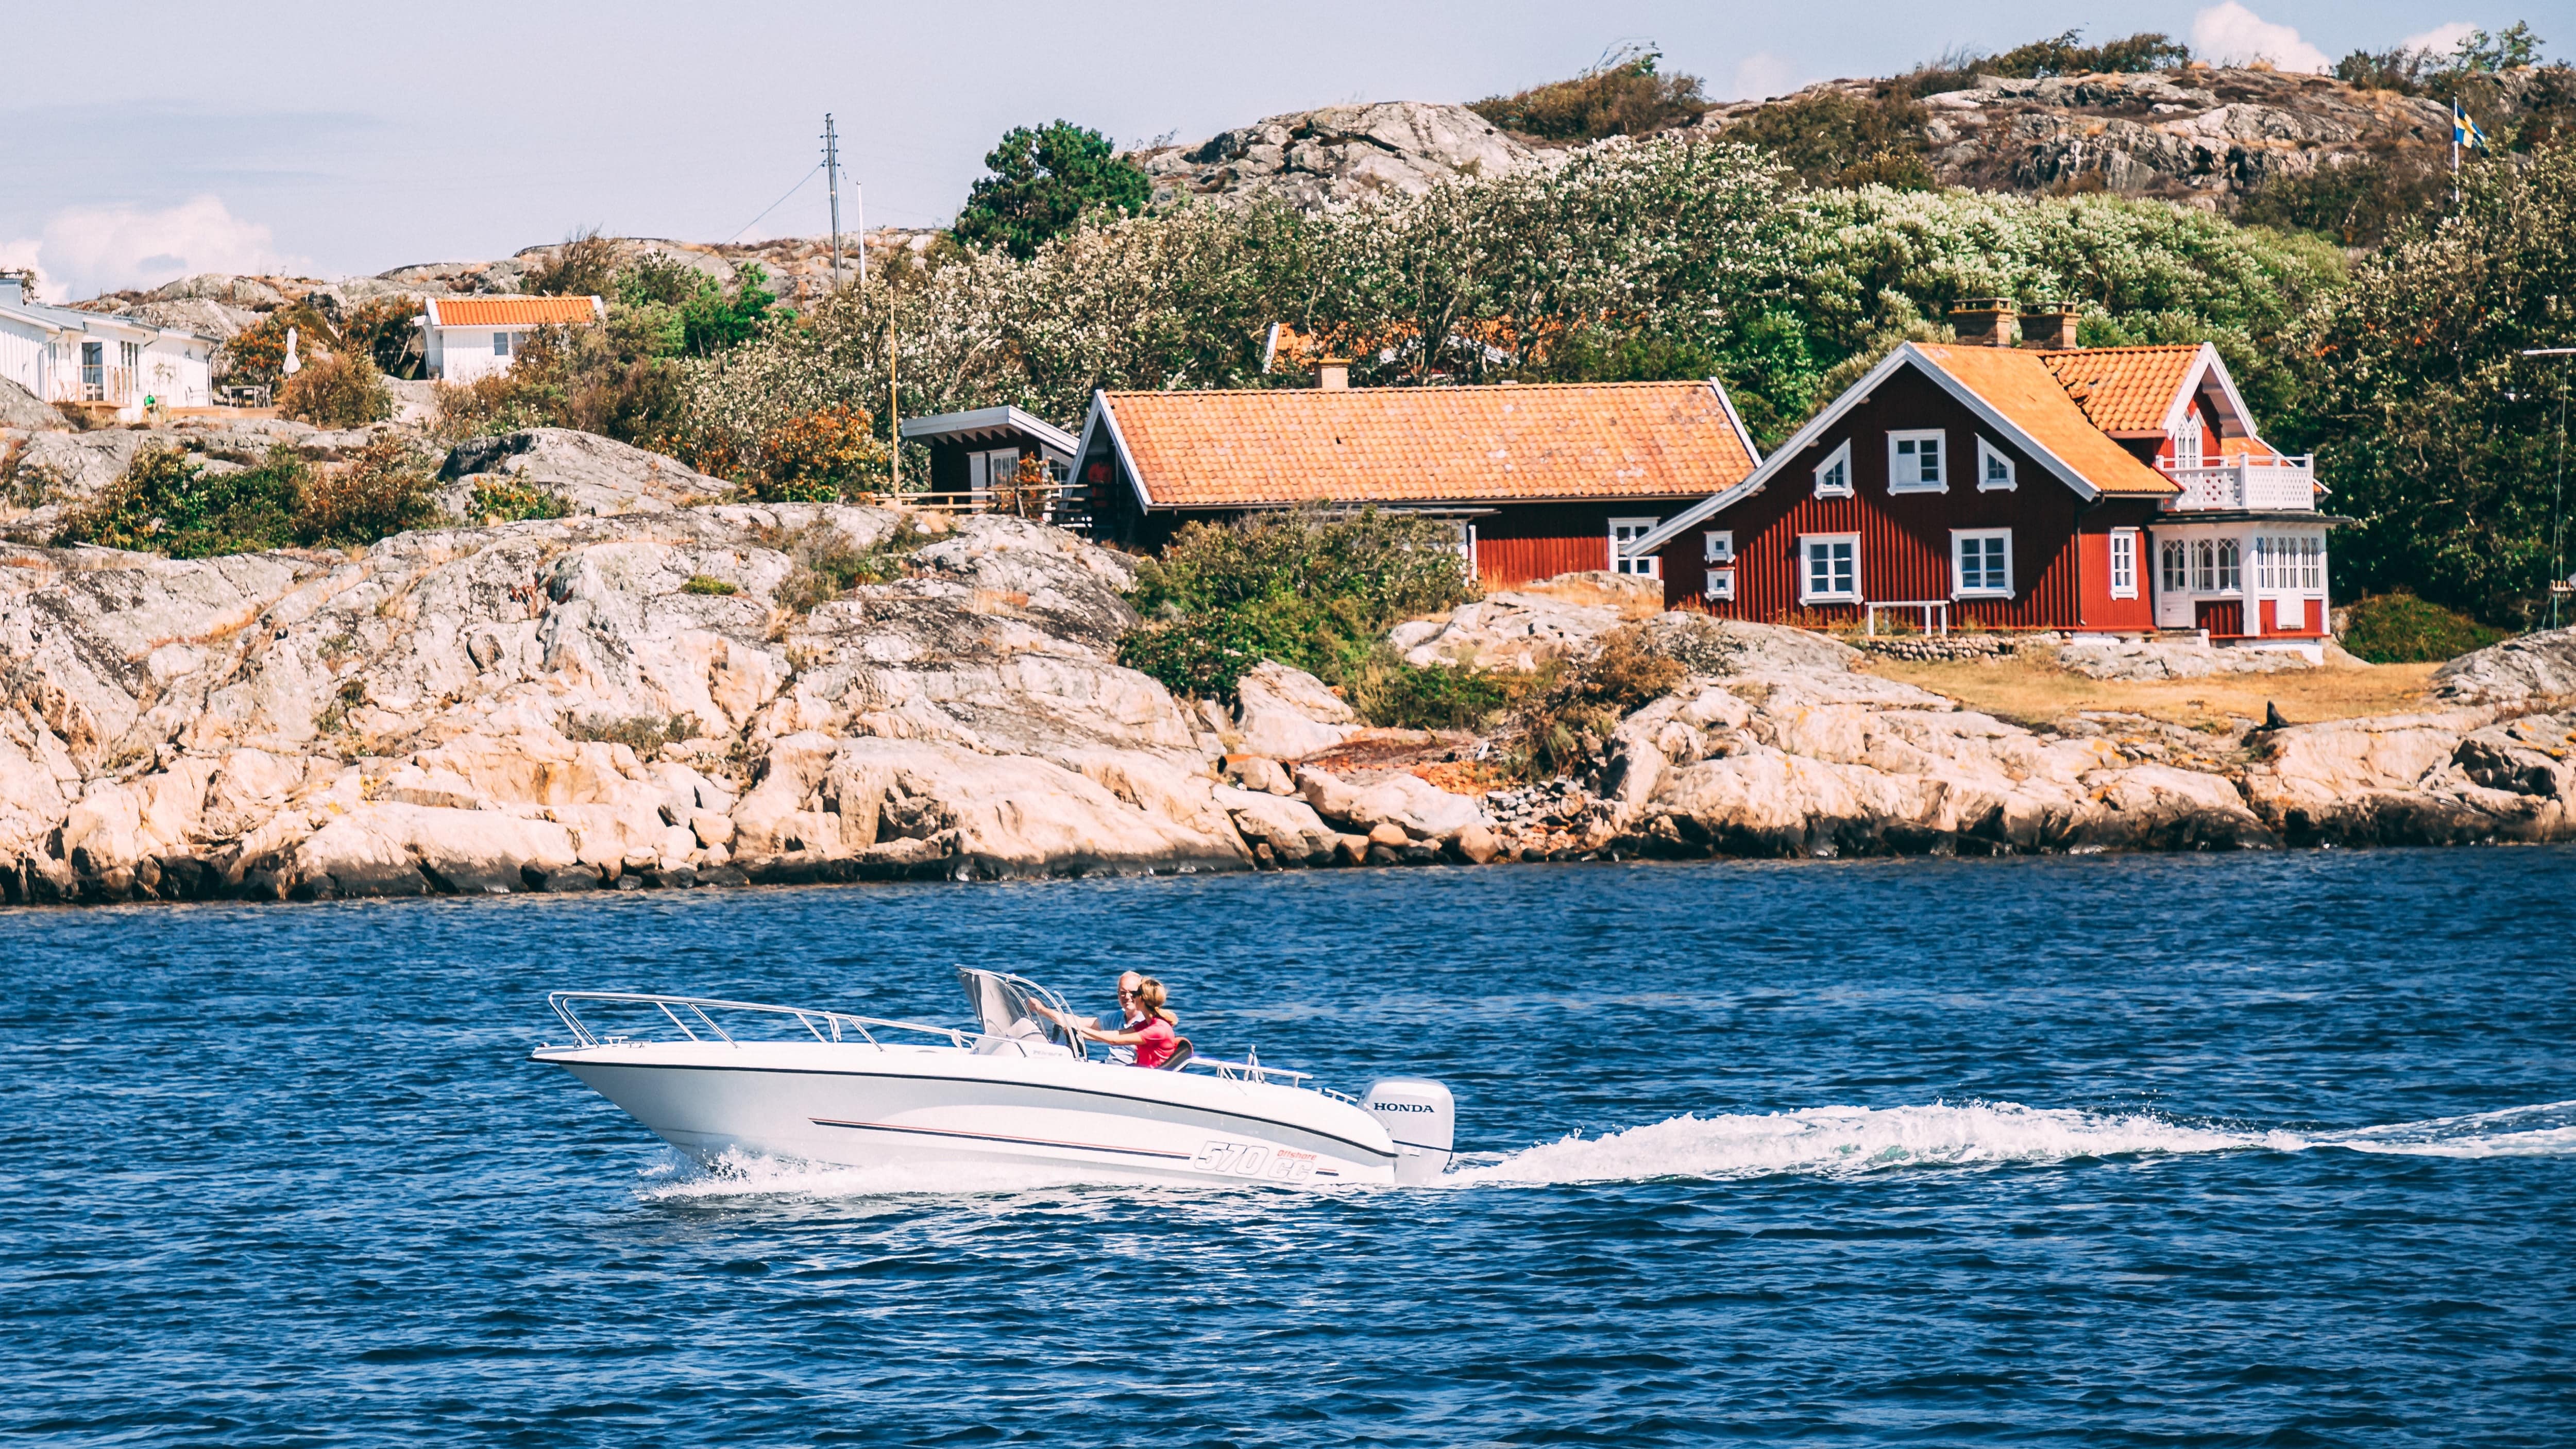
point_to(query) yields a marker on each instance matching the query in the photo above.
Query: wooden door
(2223, 618)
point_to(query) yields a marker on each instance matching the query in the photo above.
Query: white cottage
(112, 364)
(469, 337)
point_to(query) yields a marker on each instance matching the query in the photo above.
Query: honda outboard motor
(1422, 1118)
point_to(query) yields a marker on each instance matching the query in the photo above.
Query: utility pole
(832, 174)
(2559, 583)
(894, 403)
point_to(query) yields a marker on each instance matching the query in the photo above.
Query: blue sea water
(2268, 1149)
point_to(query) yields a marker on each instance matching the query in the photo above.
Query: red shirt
(1154, 1045)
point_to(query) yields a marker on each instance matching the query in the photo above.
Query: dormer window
(1914, 462)
(2189, 442)
(1994, 470)
(1833, 476)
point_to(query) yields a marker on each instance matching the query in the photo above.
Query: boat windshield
(1005, 1007)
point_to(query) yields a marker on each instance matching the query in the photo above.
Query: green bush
(1387, 691)
(508, 501)
(1569, 712)
(1829, 138)
(171, 503)
(2399, 628)
(1623, 95)
(825, 566)
(1311, 589)
(344, 390)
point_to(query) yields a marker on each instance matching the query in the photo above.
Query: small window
(2231, 571)
(500, 344)
(1625, 531)
(1914, 463)
(1721, 546)
(2189, 441)
(2124, 563)
(2177, 567)
(2312, 563)
(2262, 561)
(1994, 470)
(1720, 585)
(1982, 562)
(1829, 568)
(1833, 476)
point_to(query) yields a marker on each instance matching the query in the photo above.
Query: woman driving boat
(1154, 1036)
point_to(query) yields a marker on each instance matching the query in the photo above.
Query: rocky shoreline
(685, 695)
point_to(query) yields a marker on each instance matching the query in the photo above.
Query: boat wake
(1817, 1142)
(1852, 1141)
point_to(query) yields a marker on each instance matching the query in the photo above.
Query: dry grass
(1634, 597)
(2035, 692)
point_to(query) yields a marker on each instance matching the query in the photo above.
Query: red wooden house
(1537, 479)
(2094, 490)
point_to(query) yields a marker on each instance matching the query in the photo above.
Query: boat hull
(857, 1105)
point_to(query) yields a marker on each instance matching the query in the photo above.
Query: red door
(2223, 618)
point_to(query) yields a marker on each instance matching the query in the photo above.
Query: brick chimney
(2049, 326)
(1982, 322)
(1333, 374)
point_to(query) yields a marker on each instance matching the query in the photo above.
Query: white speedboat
(815, 1085)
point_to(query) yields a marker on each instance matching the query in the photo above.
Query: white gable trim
(1751, 452)
(1102, 417)
(1907, 355)
(2208, 365)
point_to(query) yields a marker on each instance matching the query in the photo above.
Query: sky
(329, 139)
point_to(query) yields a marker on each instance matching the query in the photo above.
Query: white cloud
(2441, 39)
(1762, 75)
(2230, 34)
(86, 250)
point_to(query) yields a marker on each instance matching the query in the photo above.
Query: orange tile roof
(514, 311)
(1430, 444)
(2022, 386)
(2124, 389)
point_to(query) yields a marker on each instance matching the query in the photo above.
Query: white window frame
(1898, 480)
(1721, 545)
(2190, 441)
(2231, 566)
(2175, 557)
(1807, 545)
(1719, 586)
(500, 344)
(1988, 457)
(1840, 458)
(1649, 567)
(2124, 563)
(2312, 565)
(1958, 585)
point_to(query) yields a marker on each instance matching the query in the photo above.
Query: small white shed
(124, 364)
(469, 337)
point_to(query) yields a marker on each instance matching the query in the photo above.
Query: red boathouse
(1538, 479)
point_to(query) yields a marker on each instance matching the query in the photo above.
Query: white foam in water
(740, 1175)
(1852, 1140)
(2547, 1130)
(1819, 1141)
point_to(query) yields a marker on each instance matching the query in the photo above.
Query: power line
(773, 206)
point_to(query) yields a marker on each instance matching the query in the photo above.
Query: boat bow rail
(839, 1027)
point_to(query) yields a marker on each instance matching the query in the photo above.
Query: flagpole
(2455, 155)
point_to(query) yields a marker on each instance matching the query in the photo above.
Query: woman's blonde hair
(1151, 996)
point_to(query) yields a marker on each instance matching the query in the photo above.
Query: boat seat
(1180, 1056)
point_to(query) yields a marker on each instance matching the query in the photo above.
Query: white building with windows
(119, 366)
(464, 338)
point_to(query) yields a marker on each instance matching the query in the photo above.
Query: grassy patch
(644, 734)
(705, 584)
(828, 566)
(504, 501)
(2038, 694)
(2400, 628)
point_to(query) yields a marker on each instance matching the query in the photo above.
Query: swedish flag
(2465, 132)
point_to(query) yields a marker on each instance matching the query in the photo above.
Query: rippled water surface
(2272, 1149)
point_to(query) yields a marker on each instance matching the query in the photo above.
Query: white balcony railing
(92, 385)
(2252, 480)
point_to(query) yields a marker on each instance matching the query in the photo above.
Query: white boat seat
(1180, 1056)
